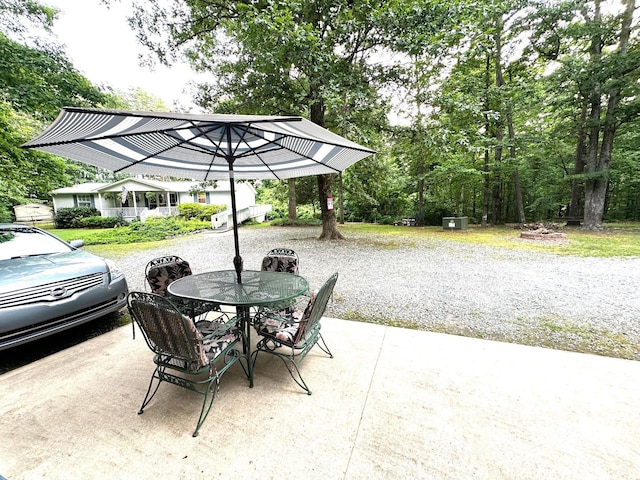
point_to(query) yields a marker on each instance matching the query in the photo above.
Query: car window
(24, 243)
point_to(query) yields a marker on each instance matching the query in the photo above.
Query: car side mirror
(77, 243)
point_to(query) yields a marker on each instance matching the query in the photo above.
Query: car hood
(30, 271)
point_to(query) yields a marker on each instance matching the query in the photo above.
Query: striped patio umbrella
(199, 146)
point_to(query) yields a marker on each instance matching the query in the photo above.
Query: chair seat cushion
(282, 263)
(286, 326)
(212, 347)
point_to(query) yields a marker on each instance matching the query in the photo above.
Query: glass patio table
(257, 289)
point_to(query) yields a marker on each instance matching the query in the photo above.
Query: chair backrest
(281, 260)
(316, 308)
(161, 271)
(165, 329)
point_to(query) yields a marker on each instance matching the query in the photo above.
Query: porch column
(135, 204)
(100, 202)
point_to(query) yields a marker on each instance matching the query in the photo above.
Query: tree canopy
(511, 110)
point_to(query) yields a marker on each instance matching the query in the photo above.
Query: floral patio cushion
(281, 263)
(212, 347)
(161, 276)
(288, 327)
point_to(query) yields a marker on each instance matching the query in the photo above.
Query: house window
(202, 197)
(84, 200)
(173, 198)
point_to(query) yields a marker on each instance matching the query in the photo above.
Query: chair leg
(323, 346)
(294, 371)
(288, 361)
(210, 396)
(150, 394)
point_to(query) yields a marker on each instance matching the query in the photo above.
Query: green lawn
(615, 240)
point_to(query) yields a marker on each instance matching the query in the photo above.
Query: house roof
(80, 188)
(145, 185)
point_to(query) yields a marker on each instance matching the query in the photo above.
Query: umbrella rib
(180, 144)
(282, 147)
(134, 163)
(257, 154)
(114, 136)
(214, 154)
(311, 139)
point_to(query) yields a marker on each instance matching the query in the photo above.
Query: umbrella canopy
(200, 147)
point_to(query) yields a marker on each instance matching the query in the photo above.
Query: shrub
(307, 213)
(101, 222)
(153, 229)
(72, 217)
(198, 211)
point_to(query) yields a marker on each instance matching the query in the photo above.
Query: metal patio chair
(291, 335)
(281, 260)
(192, 355)
(162, 271)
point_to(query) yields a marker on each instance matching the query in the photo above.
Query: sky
(104, 49)
(102, 46)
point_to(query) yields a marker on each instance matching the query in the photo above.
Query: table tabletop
(258, 288)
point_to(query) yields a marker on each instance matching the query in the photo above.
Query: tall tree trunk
(522, 218)
(420, 218)
(599, 160)
(577, 189)
(517, 186)
(292, 200)
(499, 130)
(325, 182)
(591, 210)
(486, 191)
(329, 223)
(341, 198)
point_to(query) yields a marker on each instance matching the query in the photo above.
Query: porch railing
(125, 212)
(224, 218)
(130, 213)
(139, 212)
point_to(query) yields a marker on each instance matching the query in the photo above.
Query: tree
(137, 99)
(599, 56)
(286, 57)
(20, 17)
(35, 82)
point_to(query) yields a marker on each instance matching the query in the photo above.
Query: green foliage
(73, 217)
(285, 222)
(99, 222)
(332, 61)
(137, 99)
(153, 229)
(36, 80)
(198, 211)
(616, 240)
(376, 190)
(41, 82)
(24, 16)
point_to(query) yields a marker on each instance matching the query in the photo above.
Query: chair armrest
(218, 327)
(285, 307)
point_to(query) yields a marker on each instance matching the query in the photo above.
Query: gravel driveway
(580, 304)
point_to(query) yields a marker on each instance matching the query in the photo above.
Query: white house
(140, 198)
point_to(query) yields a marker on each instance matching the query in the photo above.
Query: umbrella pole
(237, 260)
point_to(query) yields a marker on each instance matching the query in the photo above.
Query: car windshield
(16, 243)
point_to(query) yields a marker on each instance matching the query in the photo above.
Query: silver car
(48, 285)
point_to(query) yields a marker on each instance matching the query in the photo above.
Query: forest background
(516, 111)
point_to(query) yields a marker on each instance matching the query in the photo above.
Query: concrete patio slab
(393, 403)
